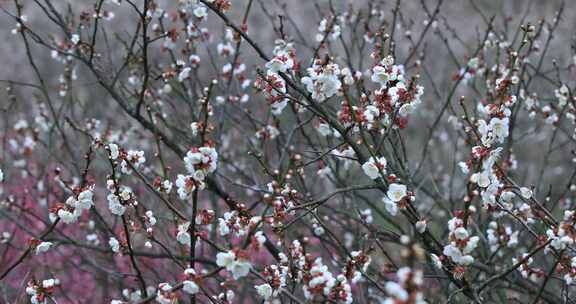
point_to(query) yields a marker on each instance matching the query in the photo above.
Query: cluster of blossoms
(474, 67)
(119, 198)
(531, 102)
(319, 281)
(359, 260)
(564, 107)
(569, 268)
(483, 169)
(393, 102)
(71, 211)
(273, 84)
(189, 285)
(345, 154)
(183, 235)
(408, 289)
(496, 131)
(282, 198)
(461, 243)
(203, 218)
(396, 194)
(267, 133)
(132, 159)
(525, 270)
(329, 29)
(234, 261)
(234, 221)
(499, 235)
(163, 186)
(199, 163)
(323, 80)
(25, 141)
(40, 292)
(275, 276)
(564, 235)
(132, 296)
(166, 293)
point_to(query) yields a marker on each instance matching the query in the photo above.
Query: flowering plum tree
(330, 151)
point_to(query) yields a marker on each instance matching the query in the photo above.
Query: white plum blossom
(39, 293)
(420, 226)
(85, 199)
(274, 88)
(184, 74)
(195, 127)
(436, 261)
(200, 11)
(457, 256)
(183, 236)
(499, 235)
(562, 94)
(115, 206)
(264, 290)
(367, 215)
(260, 238)
(396, 192)
(194, 60)
(561, 237)
(75, 39)
(380, 75)
(114, 151)
(225, 49)
(371, 113)
(349, 77)
(43, 247)
(494, 132)
(322, 81)
(408, 289)
(135, 158)
(114, 244)
(200, 162)
(324, 129)
(225, 259)
(390, 206)
(395, 290)
(164, 294)
(319, 276)
(526, 193)
(500, 128)
(76, 206)
(373, 167)
(190, 287)
(238, 266)
(67, 216)
(150, 218)
(283, 60)
(232, 222)
(482, 179)
(186, 185)
(331, 30)
(386, 71)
